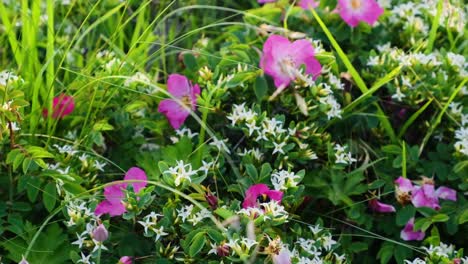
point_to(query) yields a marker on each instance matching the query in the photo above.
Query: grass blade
(413, 117)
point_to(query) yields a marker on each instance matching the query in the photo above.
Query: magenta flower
(185, 99)
(408, 233)
(282, 59)
(377, 206)
(62, 106)
(404, 184)
(425, 196)
(260, 193)
(114, 194)
(306, 4)
(354, 11)
(125, 260)
(100, 234)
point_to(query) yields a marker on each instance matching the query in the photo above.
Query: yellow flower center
(186, 101)
(355, 4)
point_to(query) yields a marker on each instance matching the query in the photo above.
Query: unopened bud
(125, 260)
(100, 234)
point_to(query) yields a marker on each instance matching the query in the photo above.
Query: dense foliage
(268, 131)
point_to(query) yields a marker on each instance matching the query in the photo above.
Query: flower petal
(404, 184)
(178, 85)
(408, 233)
(136, 173)
(446, 193)
(175, 113)
(377, 206)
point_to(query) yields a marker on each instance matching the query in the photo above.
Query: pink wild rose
(185, 99)
(377, 206)
(282, 59)
(125, 260)
(354, 11)
(446, 193)
(408, 232)
(62, 106)
(114, 194)
(283, 257)
(307, 4)
(260, 192)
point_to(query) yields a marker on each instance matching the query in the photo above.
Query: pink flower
(306, 4)
(62, 106)
(185, 99)
(114, 194)
(260, 192)
(282, 59)
(425, 196)
(125, 260)
(353, 11)
(377, 206)
(408, 233)
(282, 258)
(23, 261)
(100, 234)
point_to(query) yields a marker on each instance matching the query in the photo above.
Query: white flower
(206, 166)
(159, 233)
(282, 180)
(80, 241)
(248, 243)
(416, 261)
(327, 242)
(342, 156)
(181, 172)
(315, 229)
(198, 217)
(214, 249)
(220, 145)
(85, 259)
(83, 157)
(99, 166)
(7, 77)
(185, 212)
(279, 147)
(398, 95)
(66, 149)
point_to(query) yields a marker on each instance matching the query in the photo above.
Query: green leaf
(377, 184)
(190, 62)
(102, 125)
(251, 171)
(405, 214)
(261, 87)
(385, 253)
(463, 217)
(440, 218)
(422, 224)
(224, 213)
(49, 196)
(197, 244)
(358, 247)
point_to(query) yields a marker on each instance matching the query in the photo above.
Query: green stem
(99, 255)
(201, 138)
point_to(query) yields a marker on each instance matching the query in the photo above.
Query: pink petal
(105, 207)
(114, 193)
(275, 195)
(306, 4)
(174, 112)
(377, 206)
(368, 11)
(408, 233)
(446, 193)
(424, 196)
(252, 193)
(274, 50)
(136, 173)
(404, 184)
(63, 105)
(178, 85)
(303, 53)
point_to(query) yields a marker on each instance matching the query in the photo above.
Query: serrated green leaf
(405, 214)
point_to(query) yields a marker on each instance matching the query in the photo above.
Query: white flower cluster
(77, 210)
(86, 236)
(459, 63)
(182, 132)
(271, 210)
(8, 77)
(334, 108)
(283, 180)
(342, 155)
(149, 224)
(442, 250)
(240, 246)
(183, 172)
(415, 15)
(315, 250)
(255, 153)
(185, 214)
(461, 135)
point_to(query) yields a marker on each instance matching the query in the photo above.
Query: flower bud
(100, 234)
(23, 261)
(212, 200)
(125, 260)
